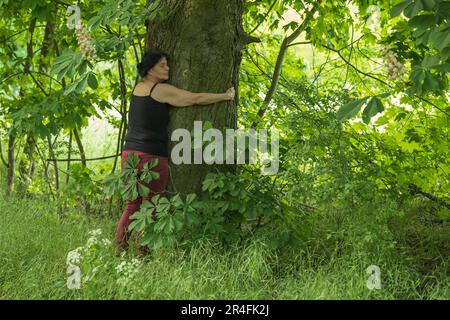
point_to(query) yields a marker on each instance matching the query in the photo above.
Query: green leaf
(431, 82)
(154, 163)
(94, 22)
(135, 193)
(422, 21)
(138, 225)
(397, 10)
(155, 199)
(413, 8)
(132, 160)
(439, 39)
(163, 205)
(384, 95)
(207, 125)
(429, 61)
(77, 86)
(126, 192)
(177, 201)
(147, 205)
(178, 221)
(350, 110)
(190, 197)
(139, 215)
(66, 64)
(92, 81)
(41, 12)
(155, 175)
(373, 107)
(428, 4)
(442, 67)
(143, 190)
(417, 75)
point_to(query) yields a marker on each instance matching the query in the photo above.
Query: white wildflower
(127, 270)
(91, 242)
(106, 242)
(74, 257)
(96, 232)
(135, 262)
(121, 267)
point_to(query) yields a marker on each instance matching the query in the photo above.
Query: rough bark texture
(203, 39)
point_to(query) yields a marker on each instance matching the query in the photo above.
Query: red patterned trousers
(157, 186)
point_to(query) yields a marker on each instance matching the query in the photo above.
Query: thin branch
(378, 79)
(91, 159)
(264, 18)
(349, 57)
(11, 76)
(280, 58)
(355, 68)
(45, 168)
(19, 32)
(297, 43)
(38, 83)
(431, 103)
(61, 2)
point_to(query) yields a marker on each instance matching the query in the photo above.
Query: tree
(204, 43)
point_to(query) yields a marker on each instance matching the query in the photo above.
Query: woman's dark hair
(149, 60)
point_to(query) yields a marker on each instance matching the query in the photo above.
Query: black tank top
(147, 125)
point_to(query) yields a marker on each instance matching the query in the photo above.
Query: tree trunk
(26, 169)
(55, 163)
(80, 146)
(11, 165)
(69, 154)
(30, 149)
(204, 44)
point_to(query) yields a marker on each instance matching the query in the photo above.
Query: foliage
(361, 104)
(229, 203)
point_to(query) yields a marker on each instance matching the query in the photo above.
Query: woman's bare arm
(182, 98)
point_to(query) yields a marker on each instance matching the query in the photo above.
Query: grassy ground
(330, 264)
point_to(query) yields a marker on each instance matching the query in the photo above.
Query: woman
(147, 136)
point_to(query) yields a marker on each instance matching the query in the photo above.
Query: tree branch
(91, 159)
(297, 43)
(282, 52)
(355, 68)
(1, 155)
(264, 18)
(414, 189)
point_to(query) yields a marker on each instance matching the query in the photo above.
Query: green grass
(330, 263)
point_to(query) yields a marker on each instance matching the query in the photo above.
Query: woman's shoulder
(142, 89)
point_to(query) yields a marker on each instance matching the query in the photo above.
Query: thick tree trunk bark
(203, 39)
